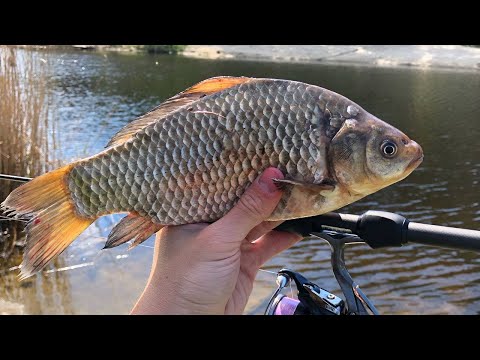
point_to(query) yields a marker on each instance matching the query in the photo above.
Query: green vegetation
(163, 49)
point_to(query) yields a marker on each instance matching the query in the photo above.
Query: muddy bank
(422, 56)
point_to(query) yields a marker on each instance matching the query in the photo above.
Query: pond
(98, 93)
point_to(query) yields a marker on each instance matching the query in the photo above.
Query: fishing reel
(314, 300)
(311, 299)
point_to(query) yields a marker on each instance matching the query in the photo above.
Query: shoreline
(453, 57)
(448, 57)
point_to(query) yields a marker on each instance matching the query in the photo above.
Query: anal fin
(131, 227)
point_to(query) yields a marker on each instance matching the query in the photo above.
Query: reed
(27, 136)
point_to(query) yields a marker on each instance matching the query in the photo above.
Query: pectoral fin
(323, 185)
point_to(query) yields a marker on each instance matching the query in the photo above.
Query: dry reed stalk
(26, 131)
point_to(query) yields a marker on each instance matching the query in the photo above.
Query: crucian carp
(191, 158)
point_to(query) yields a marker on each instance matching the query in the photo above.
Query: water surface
(97, 94)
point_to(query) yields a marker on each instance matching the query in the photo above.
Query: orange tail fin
(53, 223)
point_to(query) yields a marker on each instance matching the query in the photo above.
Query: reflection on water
(99, 93)
(36, 295)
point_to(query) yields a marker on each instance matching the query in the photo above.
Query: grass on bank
(164, 49)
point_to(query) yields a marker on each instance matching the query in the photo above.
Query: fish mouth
(415, 162)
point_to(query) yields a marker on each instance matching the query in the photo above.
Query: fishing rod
(377, 229)
(22, 179)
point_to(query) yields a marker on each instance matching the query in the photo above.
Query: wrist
(163, 296)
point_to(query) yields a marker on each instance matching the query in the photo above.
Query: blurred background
(61, 103)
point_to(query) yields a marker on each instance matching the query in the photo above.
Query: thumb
(254, 206)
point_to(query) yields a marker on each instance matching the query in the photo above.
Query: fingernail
(266, 184)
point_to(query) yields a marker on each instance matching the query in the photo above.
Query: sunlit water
(97, 94)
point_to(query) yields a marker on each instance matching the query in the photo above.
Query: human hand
(210, 268)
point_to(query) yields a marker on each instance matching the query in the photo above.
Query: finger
(271, 244)
(261, 229)
(254, 206)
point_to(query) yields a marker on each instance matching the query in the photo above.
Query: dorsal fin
(215, 84)
(193, 93)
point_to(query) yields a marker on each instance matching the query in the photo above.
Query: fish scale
(207, 154)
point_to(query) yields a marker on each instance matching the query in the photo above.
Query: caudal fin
(53, 223)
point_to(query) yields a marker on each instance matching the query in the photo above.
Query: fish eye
(388, 149)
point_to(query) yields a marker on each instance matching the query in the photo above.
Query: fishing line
(5, 218)
(14, 178)
(268, 271)
(146, 246)
(67, 268)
